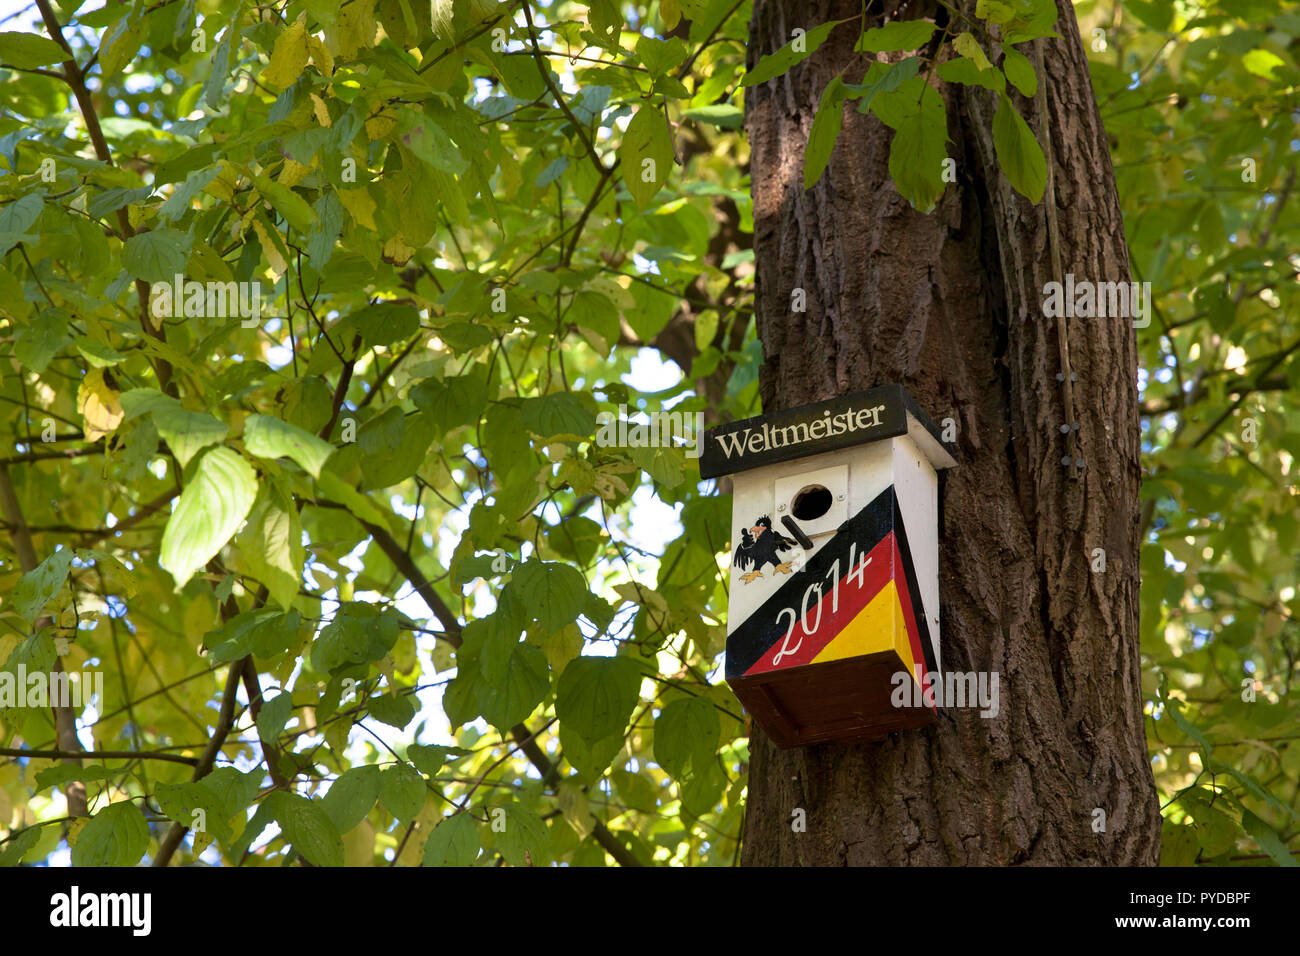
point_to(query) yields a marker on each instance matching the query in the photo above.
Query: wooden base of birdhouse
(833, 702)
(842, 647)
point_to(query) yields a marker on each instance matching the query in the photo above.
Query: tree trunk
(949, 305)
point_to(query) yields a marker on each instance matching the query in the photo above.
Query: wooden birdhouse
(833, 608)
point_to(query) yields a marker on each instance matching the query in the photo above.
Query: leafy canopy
(357, 471)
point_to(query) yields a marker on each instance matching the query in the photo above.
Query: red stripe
(913, 632)
(884, 559)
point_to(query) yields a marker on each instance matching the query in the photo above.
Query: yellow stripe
(880, 626)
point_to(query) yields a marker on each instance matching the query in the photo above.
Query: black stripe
(918, 606)
(761, 630)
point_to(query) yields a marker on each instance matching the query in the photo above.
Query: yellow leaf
(322, 113)
(397, 251)
(223, 187)
(560, 646)
(968, 46)
(98, 405)
(74, 829)
(427, 819)
(440, 655)
(354, 29)
(288, 57)
(268, 247)
(293, 173)
(320, 56)
(359, 845)
(573, 804)
(359, 205)
(379, 126)
(200, 614)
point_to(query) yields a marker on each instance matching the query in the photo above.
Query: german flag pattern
(856, 596)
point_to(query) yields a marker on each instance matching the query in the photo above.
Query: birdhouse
(833, 601)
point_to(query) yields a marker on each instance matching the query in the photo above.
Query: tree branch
(65, 718)
(75, 77)
(98, 755)
(526, 739)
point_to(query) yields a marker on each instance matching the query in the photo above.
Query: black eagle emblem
(759, 546)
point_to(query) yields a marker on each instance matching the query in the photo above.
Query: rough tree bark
(949, 304)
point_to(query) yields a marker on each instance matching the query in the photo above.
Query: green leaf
(111, 200)
(667, 466)
(799, 48)
(402, 790)
(883, 78)
(340, 492)
(686, 732)
(550, 591)
(1018, 152)
(234, 791)
(918, 150)
(645, 154)
(62, 773)
(29, 50)
(1267, 839)
(156, 256)
(428, 142)
(209, 512)
(271, 546)
(181, 801)
(41, 340)
(399, 458)
(962, 70)
(606, 22)
(352, 796)
(295, 210)
(451, 402)
(353, 639)
(702, 790)
(589, 758)
(659, 56)
(187, 433)
(307, 827)
(453, 842)
(721, 115)
(524, 682)
(40, 584)
(1157, 14)
(429, 758)
(524, 841)
(559, 414)
(16, 846)
(275, 713)
(395, 710)
(1020, 72)
(269, 437)
(1038, 23)
(264, 632)
(98, 353)
(825, 129)
(595, 695)
(1262, 63)
(968, 46)
(115, 836)
(20, 215)
(899, 35)
(994, 11)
